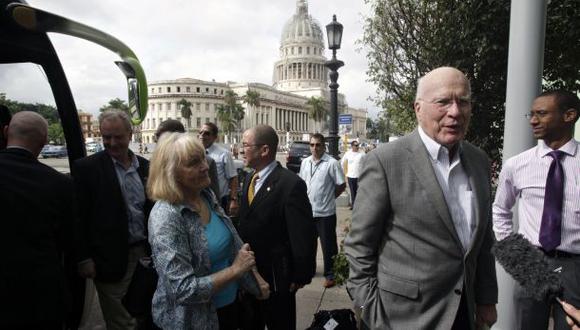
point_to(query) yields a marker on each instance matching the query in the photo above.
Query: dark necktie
(550, 230)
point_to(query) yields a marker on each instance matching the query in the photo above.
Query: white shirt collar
(263, 174)
(434, 148)
(324, 158)
(569, 148)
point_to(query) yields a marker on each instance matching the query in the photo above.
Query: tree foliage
(49, 112)
(562, 48)
(407, 38)
(55, 133)
(252, 98)
(185, 107)
(378, 129)
(115, 104)
(317, 109)
(231, 113)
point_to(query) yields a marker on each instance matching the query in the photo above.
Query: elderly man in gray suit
(419, 246)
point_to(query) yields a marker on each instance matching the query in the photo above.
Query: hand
(295, 287)
(244, 261)
(485, 315)
(573, 315)
(264, 286)
(87, 269)
(234, 207)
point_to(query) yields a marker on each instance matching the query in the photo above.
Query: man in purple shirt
(544, 181)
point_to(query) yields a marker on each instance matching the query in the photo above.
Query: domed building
(301, 65)
(298, 75)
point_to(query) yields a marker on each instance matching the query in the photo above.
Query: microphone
(529, 267)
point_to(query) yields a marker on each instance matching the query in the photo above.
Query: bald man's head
(443, 105)
(28, 130)
(438, 77)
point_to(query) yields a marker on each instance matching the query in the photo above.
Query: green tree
(227, 117)
(49, 112)
(230, 114)
(407, 38)
(185, 107)
(562, 48)
(251, 98)
(317, 110)
(55, 133)
(115, 104)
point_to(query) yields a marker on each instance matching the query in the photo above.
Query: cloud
(225, 40)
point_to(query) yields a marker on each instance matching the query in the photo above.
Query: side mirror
(37, 20)
(135, 107)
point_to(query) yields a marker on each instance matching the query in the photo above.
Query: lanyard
(315, 169)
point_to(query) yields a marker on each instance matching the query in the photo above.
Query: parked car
(297, 151)
(94, 147)
(53, 151)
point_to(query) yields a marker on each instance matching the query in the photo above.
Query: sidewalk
(309, 299)
(314, 296)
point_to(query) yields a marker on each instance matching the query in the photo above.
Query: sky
(225, 40)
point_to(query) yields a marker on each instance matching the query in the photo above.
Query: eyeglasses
(316, 144)
(446, 103)
(538, 114)
(204, 133)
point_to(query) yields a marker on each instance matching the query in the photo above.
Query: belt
(558, 254)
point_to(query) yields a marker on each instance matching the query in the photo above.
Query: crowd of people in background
(186, 240)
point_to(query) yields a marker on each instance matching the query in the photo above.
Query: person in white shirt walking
(351, 162)
(325, 181)
(544, 179)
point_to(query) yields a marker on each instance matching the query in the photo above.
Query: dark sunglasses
(204, 133)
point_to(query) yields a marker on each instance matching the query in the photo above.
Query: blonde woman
(200, 259)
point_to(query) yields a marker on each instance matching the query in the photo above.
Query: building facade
(298, 75)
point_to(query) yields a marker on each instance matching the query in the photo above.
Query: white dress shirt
(353, 161)
(455, 186)
(263, 175)
(523, 178)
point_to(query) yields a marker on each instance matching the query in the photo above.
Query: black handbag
(336, 319)
(137, 301)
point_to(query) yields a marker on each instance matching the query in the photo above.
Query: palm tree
(231, 113)
(252, 99)
(226, 118)
(185, 107)
(317, 109)
(115, 104)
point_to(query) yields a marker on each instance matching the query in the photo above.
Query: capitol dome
(301, 65)
(302, 27)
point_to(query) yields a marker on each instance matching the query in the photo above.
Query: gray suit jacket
(408, 269)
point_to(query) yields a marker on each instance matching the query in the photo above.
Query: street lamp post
(334, 34)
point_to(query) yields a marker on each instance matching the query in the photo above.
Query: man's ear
(570, 115)
(417, 109)
(265, 150)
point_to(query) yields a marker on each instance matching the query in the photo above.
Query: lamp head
(334, 34)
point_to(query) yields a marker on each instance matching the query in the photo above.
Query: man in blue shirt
(325, 181)
(113, 212)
